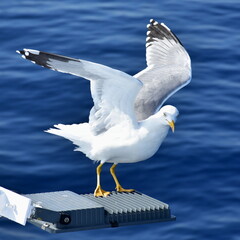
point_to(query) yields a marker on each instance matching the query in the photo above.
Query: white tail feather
(79, 134)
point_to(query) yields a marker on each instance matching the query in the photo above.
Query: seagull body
(123, 143)
(126, 123)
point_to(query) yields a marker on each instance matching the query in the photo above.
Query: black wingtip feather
(35, 57)
(43, 58)
(160, 31)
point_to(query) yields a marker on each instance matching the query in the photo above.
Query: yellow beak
(171, 124)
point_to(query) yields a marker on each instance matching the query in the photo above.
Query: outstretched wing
(113, 91)
(168, 69)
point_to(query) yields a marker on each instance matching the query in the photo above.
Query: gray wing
(168, 70)
(113, 91)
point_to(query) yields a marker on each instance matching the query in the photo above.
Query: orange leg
(99, 192)
(119, 188)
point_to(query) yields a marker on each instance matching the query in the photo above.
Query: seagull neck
(155, 121)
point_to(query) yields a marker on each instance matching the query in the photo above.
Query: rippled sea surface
(196, 170)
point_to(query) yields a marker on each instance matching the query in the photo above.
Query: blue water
(196, 170)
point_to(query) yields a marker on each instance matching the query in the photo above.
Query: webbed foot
(119, 188)
(99, 192)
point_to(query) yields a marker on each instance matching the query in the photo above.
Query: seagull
(127, 123)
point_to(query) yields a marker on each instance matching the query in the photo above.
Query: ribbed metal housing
(126, 208)
(67, 211)
(52, 206)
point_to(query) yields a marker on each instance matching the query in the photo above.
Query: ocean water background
(196, 170)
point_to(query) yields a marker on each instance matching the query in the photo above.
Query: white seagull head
(169, 115)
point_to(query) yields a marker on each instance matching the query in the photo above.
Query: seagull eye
(164, 114)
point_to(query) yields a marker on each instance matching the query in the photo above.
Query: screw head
(65, 218)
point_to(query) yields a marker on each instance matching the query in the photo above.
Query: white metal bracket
(14, 206)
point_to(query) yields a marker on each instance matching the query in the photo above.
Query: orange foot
(99, 192)
(119, 188)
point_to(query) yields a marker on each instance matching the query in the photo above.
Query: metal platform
(66, 211)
